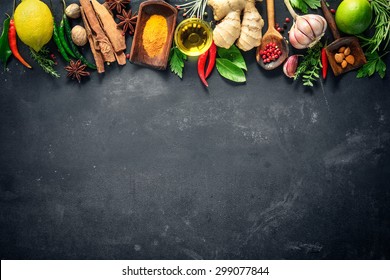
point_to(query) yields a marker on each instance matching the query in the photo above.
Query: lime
(353, 16)
(34, 23)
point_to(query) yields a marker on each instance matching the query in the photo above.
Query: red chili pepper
(212, 57)
(324, 61)
(12, 44)
(201, 65)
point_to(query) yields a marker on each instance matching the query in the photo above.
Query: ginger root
(251, 26)
(230, 28)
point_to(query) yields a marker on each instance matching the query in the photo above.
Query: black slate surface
(138, 164)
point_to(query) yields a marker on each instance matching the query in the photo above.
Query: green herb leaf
(380, 26)
(234, 55)
(176, 61)
(304, 5)
(5, 51)
(374, 64)
(230, 71)
(43, 60)
(381, 68)
(309, 68)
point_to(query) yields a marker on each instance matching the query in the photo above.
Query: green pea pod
(5, 51)
(74, 48)
(62, 36)
(57, 40)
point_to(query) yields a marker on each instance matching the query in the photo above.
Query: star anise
(76, 70)
(127, 21)
(117, 4)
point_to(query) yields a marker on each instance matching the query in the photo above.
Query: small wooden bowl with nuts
(344, 54)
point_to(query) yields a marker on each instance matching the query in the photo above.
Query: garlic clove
(290, 66)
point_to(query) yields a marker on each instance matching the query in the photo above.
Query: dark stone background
(138, 164)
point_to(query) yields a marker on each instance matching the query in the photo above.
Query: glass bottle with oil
(193, 36)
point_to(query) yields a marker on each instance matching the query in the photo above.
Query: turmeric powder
(155, 35)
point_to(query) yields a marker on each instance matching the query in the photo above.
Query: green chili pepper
(62, 37)
(65, 28)
(68, 33)
(57, 40)
(5, 51)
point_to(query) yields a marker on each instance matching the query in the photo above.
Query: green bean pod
(62, 37)
(74, 48)
(57, 40)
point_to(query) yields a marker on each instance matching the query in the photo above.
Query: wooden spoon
(272, 36)
(352, 42)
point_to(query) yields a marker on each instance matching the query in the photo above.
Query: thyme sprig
(44, 61)
(310, 67)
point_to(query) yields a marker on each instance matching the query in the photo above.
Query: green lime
(34, 23)
(353, 16)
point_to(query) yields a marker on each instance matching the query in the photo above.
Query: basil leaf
(234, 55)
(5, 51)
(230, 71)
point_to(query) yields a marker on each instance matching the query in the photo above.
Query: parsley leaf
(374, 64)
(304, 5)
(176, 61)
(309, 68)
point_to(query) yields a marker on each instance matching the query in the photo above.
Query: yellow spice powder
(155, 35)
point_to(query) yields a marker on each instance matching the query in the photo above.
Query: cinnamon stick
(97, 55)
(109, 26)
(101, 43)
(121, 58)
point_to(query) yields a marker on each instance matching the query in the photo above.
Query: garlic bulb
(307, 30)
(290, 66)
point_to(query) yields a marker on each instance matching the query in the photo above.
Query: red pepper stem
(13, 9)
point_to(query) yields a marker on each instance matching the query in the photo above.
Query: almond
(350, 59)
(342, 49)
(339, 57)
(344, 64)
(347, 51)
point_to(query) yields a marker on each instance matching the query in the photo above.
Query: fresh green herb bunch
(310, 67)
(43, 60)
(381, 25)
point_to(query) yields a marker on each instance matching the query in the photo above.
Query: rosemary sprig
(193, 8)
(46, 63)
(310, 67)
(381, 25)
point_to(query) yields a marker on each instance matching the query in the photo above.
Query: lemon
(353, 16)
(34, 23)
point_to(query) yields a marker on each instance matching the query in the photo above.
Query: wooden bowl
(138, 54)
(356, 51)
